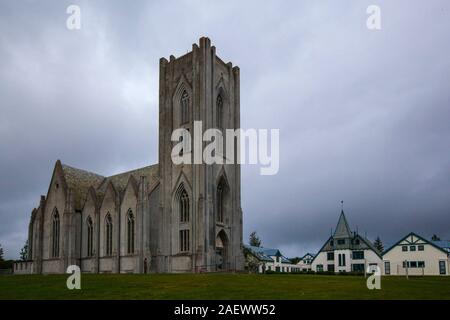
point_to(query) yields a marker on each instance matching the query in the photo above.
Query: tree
(251, 262)
(254, 240)
(435, 238)
(1, 252)
(295, 260)
(378, 244)
(24, 252)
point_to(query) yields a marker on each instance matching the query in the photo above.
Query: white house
(305, 262)
(414, 255)
(346, 251)
(271, 260)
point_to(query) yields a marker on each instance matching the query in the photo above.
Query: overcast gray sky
(364, 115)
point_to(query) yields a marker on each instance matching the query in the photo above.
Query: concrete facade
(160, 218)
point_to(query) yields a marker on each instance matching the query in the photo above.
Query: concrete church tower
(201, 204)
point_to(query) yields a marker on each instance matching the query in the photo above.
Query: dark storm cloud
(363, 115)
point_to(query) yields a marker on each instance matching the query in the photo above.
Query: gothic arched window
(184, 206)
(109, 234)
(219, 105)
(184, 103)
(220, 194)
(55, 234)
(130, 232)
(90, 237)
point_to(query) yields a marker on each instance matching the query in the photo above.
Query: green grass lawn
(221, 286)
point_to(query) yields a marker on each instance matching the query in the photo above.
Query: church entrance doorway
(222, 263)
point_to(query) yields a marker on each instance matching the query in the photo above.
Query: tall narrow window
(219, 105)
(90, 237)
(184, 103)
(109, 234)
(220, 210)
(55, 234)
(387, 267)
(184, 240)
(184, 207)
(130, 232)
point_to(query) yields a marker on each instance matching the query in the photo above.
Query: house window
(405, 264)
(341, 241)
(341, 260)
(109, 234)
(358, 255)
(277, 269)
(404, 248)
(330, 267)
(184, 240)
(442, 267)
(357, 241)
(90, 237)
(412, 248)
(320, 268)
(421, 264)
(330, 256)
(331, 243)
(184, 206)
(420, 247)
(358, 267)
(413, 264)
(184, 102)
(387, 267)
(55, 234)
(130, 232)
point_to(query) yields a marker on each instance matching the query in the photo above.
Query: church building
(164, 217)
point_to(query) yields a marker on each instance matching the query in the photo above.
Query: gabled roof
(265, 254)
(369, 244)
(79, 181)
(342, 229)
(417, 236)
(120, 180)
(310, 254)
(444, 244)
